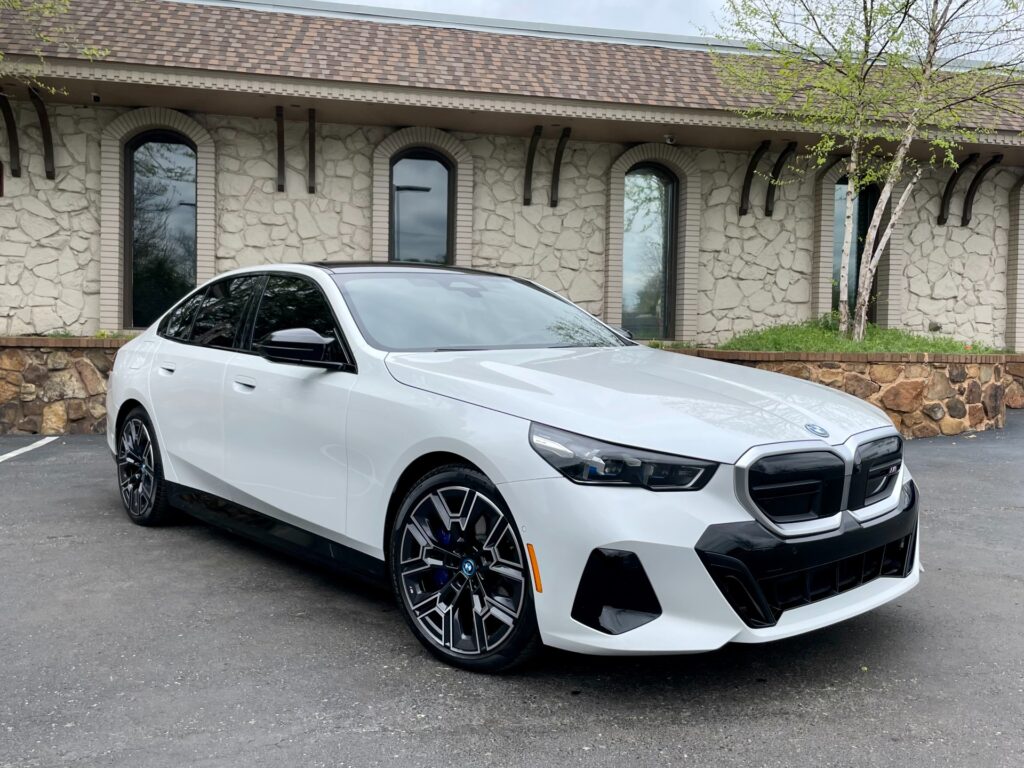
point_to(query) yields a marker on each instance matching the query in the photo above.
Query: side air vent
(796, 487)
(875, 470)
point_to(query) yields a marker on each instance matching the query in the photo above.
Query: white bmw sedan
(521, 473)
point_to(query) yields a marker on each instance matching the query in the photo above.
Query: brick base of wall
(924, 395)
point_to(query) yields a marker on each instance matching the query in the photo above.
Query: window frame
(164, 136)
(670, 234)
(423, 153)
(246, 342)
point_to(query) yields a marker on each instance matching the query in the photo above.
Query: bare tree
(888, 86)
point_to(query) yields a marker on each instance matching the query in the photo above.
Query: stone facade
(956, 276)
(751, 270)
(924, 395)
(55, 386)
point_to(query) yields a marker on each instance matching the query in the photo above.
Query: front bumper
(675, 537)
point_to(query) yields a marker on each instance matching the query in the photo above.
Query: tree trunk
(844, 261)
(869, 264)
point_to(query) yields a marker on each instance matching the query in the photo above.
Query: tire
(454, 550)
(140, 473)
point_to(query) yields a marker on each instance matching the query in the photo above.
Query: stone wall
(54, 386)
(956, 276)
(752, 270)
(924, 395)
(49, 230)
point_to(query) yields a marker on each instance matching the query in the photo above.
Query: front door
(285, 423)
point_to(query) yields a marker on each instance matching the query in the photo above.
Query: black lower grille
(762, 575)
(793, 590)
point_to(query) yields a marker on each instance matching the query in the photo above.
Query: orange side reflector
(535, 568)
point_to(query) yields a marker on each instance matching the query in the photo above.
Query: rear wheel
(460, 572)
(140, 473)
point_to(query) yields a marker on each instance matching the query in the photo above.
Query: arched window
(864, 208)
(160, 225)
(648, 244)
(422, 207)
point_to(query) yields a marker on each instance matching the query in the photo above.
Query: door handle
(244, 384)
(167, 368)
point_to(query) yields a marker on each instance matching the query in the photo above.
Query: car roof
(392, 266)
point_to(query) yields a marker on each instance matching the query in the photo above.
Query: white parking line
(27, 448)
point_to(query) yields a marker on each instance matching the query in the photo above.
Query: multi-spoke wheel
(139, 471)
(460, 572)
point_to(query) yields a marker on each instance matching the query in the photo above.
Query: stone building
(614, 170)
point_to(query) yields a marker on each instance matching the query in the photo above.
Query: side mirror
(302, 346)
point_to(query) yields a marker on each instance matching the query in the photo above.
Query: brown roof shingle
(247, 41)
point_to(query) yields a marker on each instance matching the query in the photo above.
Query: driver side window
(294, 302)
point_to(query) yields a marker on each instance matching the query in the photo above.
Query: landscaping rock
(885, 373)
(956, 408)
(957, 373)
(859, 386)
(55, 419)
(992, 399)
(925, 429)
(1013, 397)
(904, 396)
(934, 411)
(938, 386)
(972, 392)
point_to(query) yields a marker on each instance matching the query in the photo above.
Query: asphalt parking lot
(124, 646)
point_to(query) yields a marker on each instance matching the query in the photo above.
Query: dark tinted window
(647, 248)
(177, 324)
(425, 310)
(161, 205)
(222, 312)
(420, 208)
(293, 302)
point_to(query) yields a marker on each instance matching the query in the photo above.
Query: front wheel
(460, 572)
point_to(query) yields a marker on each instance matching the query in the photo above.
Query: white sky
(670, 17)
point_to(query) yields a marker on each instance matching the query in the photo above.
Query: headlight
(592, 462)
(907, 494)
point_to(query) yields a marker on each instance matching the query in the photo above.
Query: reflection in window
(864, 208)
(293, 302)
(161, 206)
(647, 248)
(220, 314)
(421, 208)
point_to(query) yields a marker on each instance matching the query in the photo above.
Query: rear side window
(179, 321)
(292, 302)
(222, 312)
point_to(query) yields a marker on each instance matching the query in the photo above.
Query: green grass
(822, 335)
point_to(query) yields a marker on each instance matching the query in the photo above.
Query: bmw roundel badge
(814, 429)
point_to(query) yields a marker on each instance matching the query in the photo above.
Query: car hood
(642, 397)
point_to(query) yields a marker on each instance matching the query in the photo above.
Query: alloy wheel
(461, 570)
(135, 468)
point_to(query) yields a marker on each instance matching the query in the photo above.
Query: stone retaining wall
(55, 386)
(924, 395)
(52, 386)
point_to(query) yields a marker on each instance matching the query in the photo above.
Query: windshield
(423, 311)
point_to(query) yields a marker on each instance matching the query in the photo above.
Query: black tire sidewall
(523, 641)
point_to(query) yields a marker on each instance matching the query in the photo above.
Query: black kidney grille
(875, 469)
(796, 487)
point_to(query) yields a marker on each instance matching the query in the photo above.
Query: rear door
(285, 423)
(187, 377)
